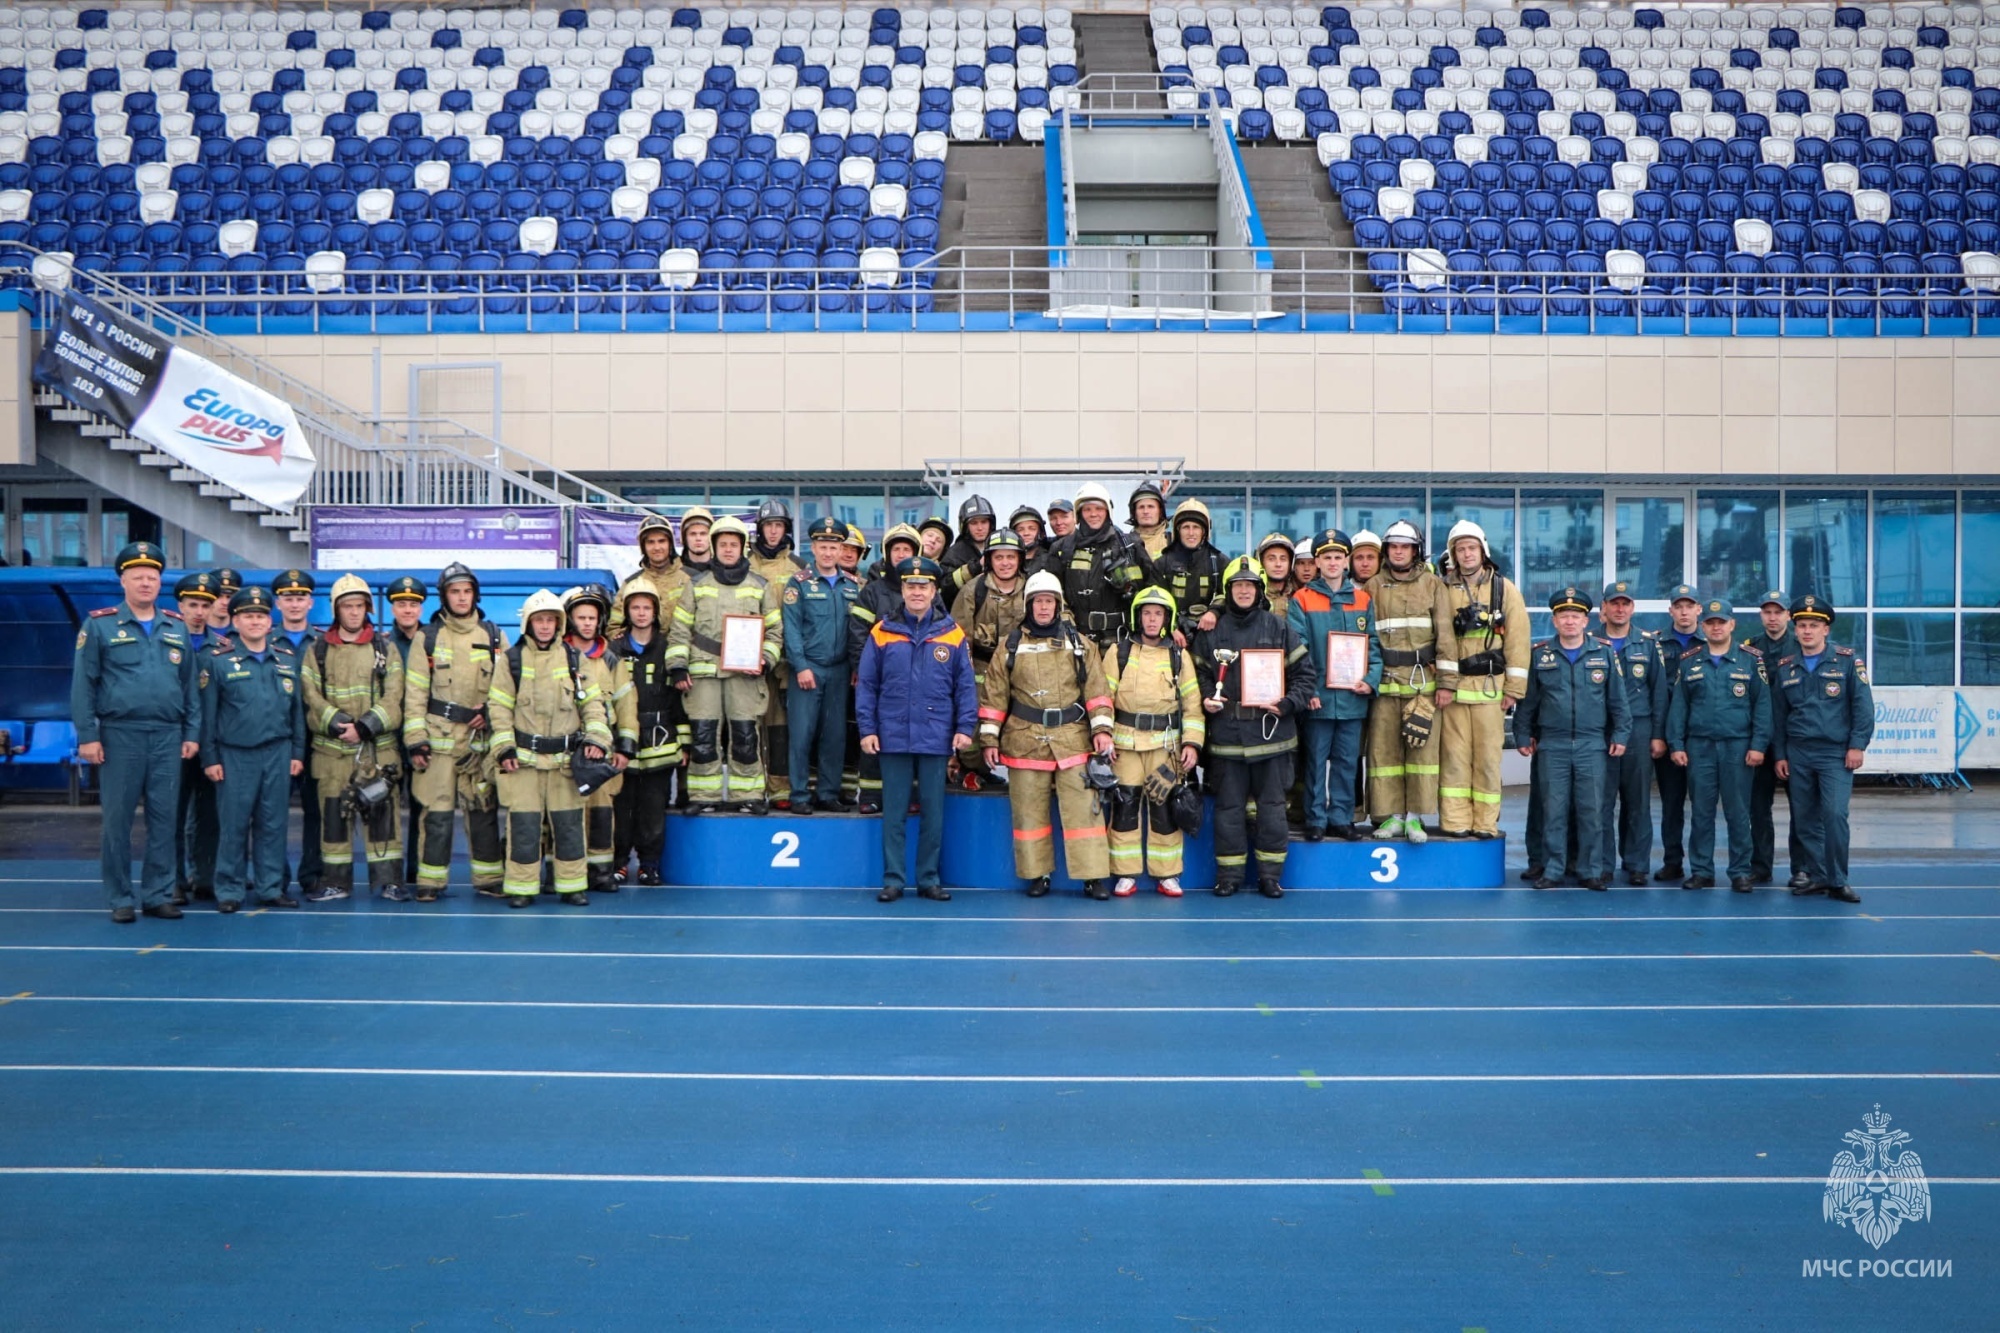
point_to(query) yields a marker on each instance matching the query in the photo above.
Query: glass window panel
(1915, 548)
(1375, 511)
(1910, 648)
(1651, 552)
(864, 510)
(1295, 513)
(1736, 544)
(744, 503)
(913, 507)
(55, 532)
(1562, 543)
(1980, 649)
(672, 501)
(1228, 527)
(1491, 510)
(1826, 546)
(1982, 542)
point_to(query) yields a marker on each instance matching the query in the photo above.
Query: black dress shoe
(1800, 880)
(228, 905)
(1225, 889)
(1038, 887)
(180, 896)
(1270, 888)
(204, 893)
(1543, 882)
(1315, 835)
(802, 807)
(1841, 893)
(1697, 882)
(1671, 870)
(936, 893)
(576, 899)
(889, 894)
(1345, 832)
(1807, 889)
(165, 911)
(1097, 889)
(284, 902)
(1531, 874)
(1764, 878)
(1636, 878)
(124, 916)
(1600, 883)
(1741, 884)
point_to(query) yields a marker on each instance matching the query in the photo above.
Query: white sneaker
(1170, 886)
(1413, 829)
(1125, 887)
(1391, 827)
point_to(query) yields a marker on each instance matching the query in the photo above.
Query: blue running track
(715, 1109)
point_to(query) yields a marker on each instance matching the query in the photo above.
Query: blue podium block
(845, 852)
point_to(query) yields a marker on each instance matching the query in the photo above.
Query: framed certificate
(1346, 660)
(1263, 676)
(743, 644)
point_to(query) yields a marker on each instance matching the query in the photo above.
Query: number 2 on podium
(787, 855)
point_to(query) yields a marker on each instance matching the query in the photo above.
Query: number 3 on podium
(1386, 868)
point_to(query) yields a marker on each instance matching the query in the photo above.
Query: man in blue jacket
(1336, 720)
(917, 703)
(818, 604)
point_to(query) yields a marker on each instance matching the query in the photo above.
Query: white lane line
(1064, 1080)
(807, 957)
(946, 1182)
(895, 919)
(1239, 1009)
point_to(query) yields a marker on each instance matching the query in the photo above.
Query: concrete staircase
(996, 200)
(1301, 211)
(1110, 44)
(92, 447)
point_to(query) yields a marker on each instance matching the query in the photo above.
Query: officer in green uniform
(253, 743)
(1823, 718)
(1628, 787)
(1718, 729)
(194, 824)
(1776, 641)
(227, 583)
(1677, 643)
(818, 603)
(1575, 717)
(132, 697)
(293, 635)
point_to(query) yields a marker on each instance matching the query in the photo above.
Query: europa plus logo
(221, 425)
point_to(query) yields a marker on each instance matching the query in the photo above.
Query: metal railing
(1312, 289)
(359, 460)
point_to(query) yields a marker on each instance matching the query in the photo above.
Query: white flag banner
(228, 428)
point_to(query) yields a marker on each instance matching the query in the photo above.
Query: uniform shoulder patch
(171, 615)
(82, 636)
(1696, 651)
(104, 611)
(1843, 652)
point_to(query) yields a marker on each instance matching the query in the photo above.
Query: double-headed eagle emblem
(1880, 1189)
